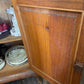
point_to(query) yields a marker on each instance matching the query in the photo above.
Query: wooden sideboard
(52, 33)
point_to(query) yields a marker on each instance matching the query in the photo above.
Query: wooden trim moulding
(17, 76)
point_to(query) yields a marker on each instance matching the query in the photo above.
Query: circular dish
(2, 64)
(16, 56)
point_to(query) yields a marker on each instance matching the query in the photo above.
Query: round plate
(16, 56)
(2, 64)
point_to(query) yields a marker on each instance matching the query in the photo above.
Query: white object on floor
(15, 29)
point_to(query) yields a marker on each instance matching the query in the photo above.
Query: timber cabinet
(11, 73)
(53, 36)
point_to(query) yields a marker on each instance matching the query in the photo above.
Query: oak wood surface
(80, 52)
(10, 39)
(9, 70)
(27, 19)
(76, 77)
(50, 41)
(18, 76)
(11, 73)
(61, 4)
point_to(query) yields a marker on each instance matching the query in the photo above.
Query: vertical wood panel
(80, 53)
(51, 37)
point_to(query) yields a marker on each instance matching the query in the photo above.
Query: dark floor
(31, 80)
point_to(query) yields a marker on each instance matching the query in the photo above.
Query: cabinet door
(50, 38)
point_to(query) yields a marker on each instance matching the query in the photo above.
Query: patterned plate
(2, 64)
(16, 56)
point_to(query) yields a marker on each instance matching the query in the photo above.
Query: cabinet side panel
(80, 53)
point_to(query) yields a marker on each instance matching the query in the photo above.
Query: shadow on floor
(31, 80)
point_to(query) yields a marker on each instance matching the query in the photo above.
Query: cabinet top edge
(73, 5)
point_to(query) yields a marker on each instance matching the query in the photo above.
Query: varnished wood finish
(10, 70)
(17, 76)
(64, 4)
(60, 4)
(29, 2)
(76, 77)
(51, 34)
(10, 39)
(80, 53)
(11, 73)
(50, 41)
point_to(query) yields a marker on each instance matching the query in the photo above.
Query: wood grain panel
(77, 5)
(66, 0)
(50, 36)
(76, 77)
(80, 53)
(10, 39)
(39, 31)
(61, 41)
(64, 4)
(28, 2)
(18, 76)
(63, 28)
(10, 70)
